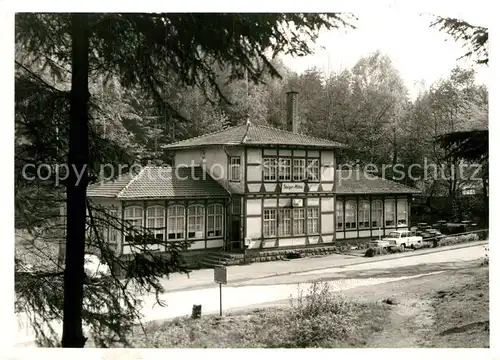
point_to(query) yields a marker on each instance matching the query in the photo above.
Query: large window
(402, 212)
(376, 213)
(196, 222)
(389, 213)
(234, 168)
(285, 169)
(134, 218)
(175, 222)
(350, 214)
(299, 218)
(313, 220)
(339, 208)
(269, 222)
(313, 169)
(284, 222)
(270, 165)
(282, 169)
(299, 169)
(215, 217)
(155, 221)
(364, 214)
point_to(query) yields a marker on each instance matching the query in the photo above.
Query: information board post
(220, 277)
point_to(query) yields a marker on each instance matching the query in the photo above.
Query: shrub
(396, 249)
(371, 252)
(451, 240)
(316, 317)
(483, 235)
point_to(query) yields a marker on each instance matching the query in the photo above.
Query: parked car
(404, 239)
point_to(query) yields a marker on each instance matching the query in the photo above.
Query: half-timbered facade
(257, 187)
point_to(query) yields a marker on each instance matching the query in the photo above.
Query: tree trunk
(77, 185)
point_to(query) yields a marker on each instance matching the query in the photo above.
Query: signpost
(220, 277)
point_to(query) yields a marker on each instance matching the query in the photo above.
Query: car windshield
(394, 234)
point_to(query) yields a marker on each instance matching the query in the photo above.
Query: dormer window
(234, 168)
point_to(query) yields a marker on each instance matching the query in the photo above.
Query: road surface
(244, 293)
(270, 282)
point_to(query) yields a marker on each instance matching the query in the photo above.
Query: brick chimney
(292, 110)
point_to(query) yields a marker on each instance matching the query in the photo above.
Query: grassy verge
(319, 318)
(462, 314)
(446, 309)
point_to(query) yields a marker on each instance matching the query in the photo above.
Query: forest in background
(133, 82)
(366, 107)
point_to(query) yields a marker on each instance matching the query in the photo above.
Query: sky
(418, 52)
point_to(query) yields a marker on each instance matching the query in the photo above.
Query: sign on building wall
(298, 202)
(293, 187)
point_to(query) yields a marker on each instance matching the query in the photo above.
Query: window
(155, 221)
(299, 169)
(175, 222)
(215, 213)
(313, 220)
(389, 212)
(269, 222)
(299, 218)
(106, 224)
(284, 222)
(376, 213)
(339, 207)
(350, 214)
(313, 169)
(112, 232)
(285, 169)
(270, 169)
(364, 214)
(134, 217)
(236, 206)
(234, 168)
(402, 212)
(196, 222)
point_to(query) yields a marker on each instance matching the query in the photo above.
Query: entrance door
(235, 234)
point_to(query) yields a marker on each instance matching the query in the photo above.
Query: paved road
(268, 282)
(244, 293)
(236, 274)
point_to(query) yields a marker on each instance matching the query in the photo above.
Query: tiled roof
(251, 134)
(110, 188)
(359, 182)
(160, 182)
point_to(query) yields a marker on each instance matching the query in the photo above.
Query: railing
(483, 231)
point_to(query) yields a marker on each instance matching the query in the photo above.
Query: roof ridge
(130, 182)
(208, 134)
(244, 138)
(291, 132)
